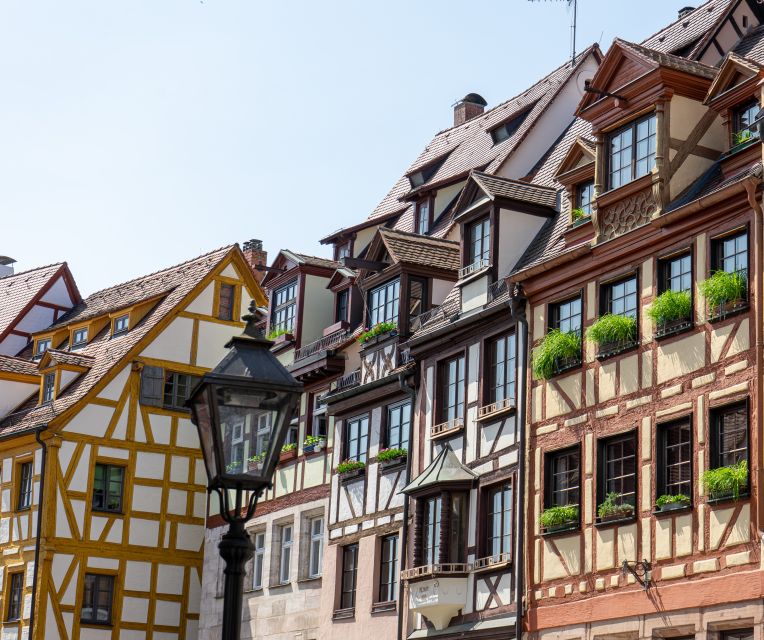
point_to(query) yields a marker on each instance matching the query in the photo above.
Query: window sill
(475, 275)
(660, 513)
(343, 614)
(351, 476)
(495, 409)
(490, 563)
(680, 327)
(390, 465)
(446, 429)
(308, 579)
(573, 527)
(23, 509)
(94, 625)
(612, 350)
(726, 499)
(254, 590)
(384, 607)
(106, 513)
(604, 524)
(733, 310)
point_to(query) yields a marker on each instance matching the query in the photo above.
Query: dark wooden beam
(369, 265)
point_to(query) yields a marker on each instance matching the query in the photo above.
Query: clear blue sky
(135, 135)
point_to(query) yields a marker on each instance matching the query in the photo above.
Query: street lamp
(242, 409)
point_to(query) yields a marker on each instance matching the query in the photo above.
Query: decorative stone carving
(625, 215)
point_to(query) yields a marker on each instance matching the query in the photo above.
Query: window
(585, 197)
(285, 557)
(318, 426)
(744, 117)
(343, 300)
(632, 151)
(97, 599)
(388, 574)
(730, 253)
(504, 131)
(121, 324)
(383, 303)
(26, 471)
(177, 389)
(675, 459)
(737, 634)
(343, 251)
(349, 575)
(618, 468)
(729, 435)
(15, 596)
(499, 520)
(42, 346)
(225, 301)
(423, 217)
(479, 237)
(284, 307)
(501, 369)
(417, 297)
(452, 389)
(431, 529)
(563, 478)
(79, 337)
(259, 557)
(620, 298)
(675, 273)
(357, 438)
(108, 481)
(48, 387)
(566, 316)
(316, 547)
(398, 425)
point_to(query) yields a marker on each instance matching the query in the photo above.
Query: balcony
(475, 267)
(446, 429)
(440, 591)
(492, 562)
(496, 290)
(318, 360)
(417, 322)
(496, 408)
(322, 344)
(352, 379)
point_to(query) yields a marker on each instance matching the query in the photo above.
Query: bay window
(383, 303)
(632, 151)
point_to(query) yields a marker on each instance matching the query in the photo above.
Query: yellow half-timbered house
(102, 485)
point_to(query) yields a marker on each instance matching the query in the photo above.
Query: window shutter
(152, 386)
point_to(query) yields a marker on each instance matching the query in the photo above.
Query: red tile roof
(687, 30)
(10, 364)
(413, 248)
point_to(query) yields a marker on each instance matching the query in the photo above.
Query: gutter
(518, 303)
(37, 545)
(405, 529)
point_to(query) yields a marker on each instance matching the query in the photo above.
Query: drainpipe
(411, 392)
(44, 448)
(518, 303)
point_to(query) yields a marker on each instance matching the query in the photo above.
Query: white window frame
(316, 547)
(285, 557)
(258, 560)
(121, 324)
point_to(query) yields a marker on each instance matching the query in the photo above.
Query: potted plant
(724, 291)
(313, 444)
(254, 462)
(391, 457)
(578, 214)
(672, 503)
(559, 518)
(348, 469)
(558, 351)
(741, 137)
(377, 330)
(288, 451)
(726, 482)
(671, 311)
(613, 508)
(613, 333)
(280, 335)
(233, 467)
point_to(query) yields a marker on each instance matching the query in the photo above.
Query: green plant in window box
(724, 288)
(313, 443)
(348, 466)
(670, 307)
(741, 137)
(612, 330)
(578, 214)
(393, 453)
(233, 467)
(614, 508)
(254, 462)
(670, 503)
(290, 446)
(726, 482)
(277, 333)
(377, 330)
(556, 348)
(557, 518)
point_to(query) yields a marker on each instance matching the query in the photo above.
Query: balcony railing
(478, 265)
(436, 569)
(446, 428)
(498, 560)
(417, 322)
(322, 344)
(352, 379)
(497, 289)
(499, 406)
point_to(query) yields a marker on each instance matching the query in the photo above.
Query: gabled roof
(339, 275)
(497, 188)
(713, 30)
(110, 352)
(727, 78)
(751, 47)
(298, 259)
(426, 251)
(20, 366)
(19, 292)
(53, 357)
(689, 29)
(581, 153)
(470, 145)
(446, 469)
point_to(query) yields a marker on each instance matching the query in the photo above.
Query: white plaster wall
(58, 294)
(203, 302)
(12, 394)
(318, 311)
(174, 343)
(440, 289)
(36, 319)
(212, 340)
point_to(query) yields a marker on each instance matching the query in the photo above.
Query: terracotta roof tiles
(413, 248)
(687, 30)
(19, 290)
(10, 364)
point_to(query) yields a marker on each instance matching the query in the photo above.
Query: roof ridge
(164, 270)
(673, 56)
(58, 265)
(703, 6)
(418, 236)
(19, 358)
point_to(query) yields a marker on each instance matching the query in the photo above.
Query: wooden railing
(491, 561)
(352, 379)
(435, 569)
(322, 344)
(496, 407)
(444, 428)
(476, 266)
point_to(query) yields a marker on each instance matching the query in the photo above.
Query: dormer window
(42, 346)
(80, 337)
(479, 249)
(743, 118)
(584, 198)
(343, 302)
(508, 128)
(632, 151)
(342, 251)
(48, 387)
(423, 175)
(423, 216)
(383, 303)
(284, 307)
(121, 324)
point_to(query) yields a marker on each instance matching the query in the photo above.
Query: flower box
(286, 456)
(674, 506)
(314, 447)
(392, 464)
(672, 327)
(349, 476)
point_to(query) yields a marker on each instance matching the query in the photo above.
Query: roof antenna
(574, 4)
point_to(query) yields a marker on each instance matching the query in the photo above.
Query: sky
(136, 135)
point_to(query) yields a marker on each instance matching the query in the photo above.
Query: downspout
(405, 529)
(40, 495)
(518, 303)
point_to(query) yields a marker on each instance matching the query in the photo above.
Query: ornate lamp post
(242, 410)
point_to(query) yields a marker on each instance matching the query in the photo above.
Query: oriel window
(632, 151)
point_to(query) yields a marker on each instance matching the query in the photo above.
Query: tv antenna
(574, 5)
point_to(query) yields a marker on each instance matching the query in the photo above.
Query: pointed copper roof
(446, 469)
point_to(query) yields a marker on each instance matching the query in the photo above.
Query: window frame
(48, 393)
(25, 490)
(226, 313)
(632, 126)
(258, 560)
(460, 387)
(583, 188)
(737, 114)
(316, 546)
(342, 302)
(550, 490)
(715, 413)
(603, 477)
(110, 579)
(388, 569)
(392, 299)
(400, 407)
(283, 315)
(172, 378)
(349, 552)
(82, 341)
(108, 466)
(39, 351)
(15, 595)
(662, 482)
(361, 454)
(285, 553)
(488, 495)
(491, 363)
(484, 240)
(432, 521)
(427, 202)
(120, 324)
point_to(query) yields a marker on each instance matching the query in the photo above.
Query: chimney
(470, 106)
(253, 252)
(685, 11)
(6, 266)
